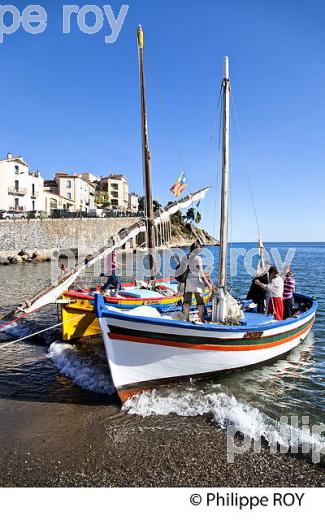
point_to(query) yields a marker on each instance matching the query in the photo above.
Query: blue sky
(71, 103)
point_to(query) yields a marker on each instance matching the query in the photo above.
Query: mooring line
(40, 331)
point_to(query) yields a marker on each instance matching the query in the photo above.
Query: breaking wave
(17, 330)
(226, 411)
(87, 372)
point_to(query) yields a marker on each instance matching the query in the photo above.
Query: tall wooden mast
(225, 180)
(151, 242)
(220, 308)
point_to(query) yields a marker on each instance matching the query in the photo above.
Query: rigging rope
(166, 114)
(245, 164)
(212, 134)
(218, 169)
(40, 331)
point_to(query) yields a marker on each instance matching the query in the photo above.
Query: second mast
(151, 242)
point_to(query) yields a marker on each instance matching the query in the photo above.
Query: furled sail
(52, 292)
(262, 267)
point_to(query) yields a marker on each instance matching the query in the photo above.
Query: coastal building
(133, 204)
(113, 191)
(90, 177)
(26, 190)
(75, 192)
(53, 200)
(73, 187)
(21, 188)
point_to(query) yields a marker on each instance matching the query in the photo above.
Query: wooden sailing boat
(144, 352)
(78, 318)
(77, 312)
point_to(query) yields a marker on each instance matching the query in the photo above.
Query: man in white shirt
(195, 280)
(274, 293)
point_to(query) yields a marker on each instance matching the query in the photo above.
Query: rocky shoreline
(185, 235)
(23, 256)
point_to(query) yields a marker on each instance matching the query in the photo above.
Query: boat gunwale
(87, 295)
(102, 312)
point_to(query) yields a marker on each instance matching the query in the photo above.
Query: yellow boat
(79, 321)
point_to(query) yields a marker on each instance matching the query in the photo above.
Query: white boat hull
(147, 352)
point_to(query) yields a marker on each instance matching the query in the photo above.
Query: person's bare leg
(200, 309)
(187, 311)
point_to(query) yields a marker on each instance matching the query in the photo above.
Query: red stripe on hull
(234, 348)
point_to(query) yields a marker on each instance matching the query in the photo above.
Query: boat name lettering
(253, 335)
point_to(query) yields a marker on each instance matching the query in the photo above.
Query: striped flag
(180, 185)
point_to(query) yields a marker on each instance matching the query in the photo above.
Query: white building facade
(133, 202)
(117, 188)
(80, 191)
(20, 188)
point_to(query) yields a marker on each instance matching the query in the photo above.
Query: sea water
(253, 400)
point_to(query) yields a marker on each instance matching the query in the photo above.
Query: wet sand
(81, 444)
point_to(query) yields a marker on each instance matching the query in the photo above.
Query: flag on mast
(179, 186)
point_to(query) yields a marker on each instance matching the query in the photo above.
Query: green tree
(190, 214)
(156, 205)
(198, 217)
(141, 204)
(176, 218)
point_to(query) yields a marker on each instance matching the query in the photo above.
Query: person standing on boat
(195, 280)
(257, 294)
(113, 278)
(289, 287)
(274, 293)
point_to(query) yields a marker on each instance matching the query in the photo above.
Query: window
(33, 205)
(53, 204)
(68, 184)
(16, 186)
(16, 203)
(69, 195)
(16, 168)
(33, 190)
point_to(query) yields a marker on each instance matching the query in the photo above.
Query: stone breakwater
(42, 238)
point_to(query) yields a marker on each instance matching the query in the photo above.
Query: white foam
(89, 374)
(226, 411)
(16, 330)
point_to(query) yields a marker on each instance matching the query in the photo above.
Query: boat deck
(253, 319)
